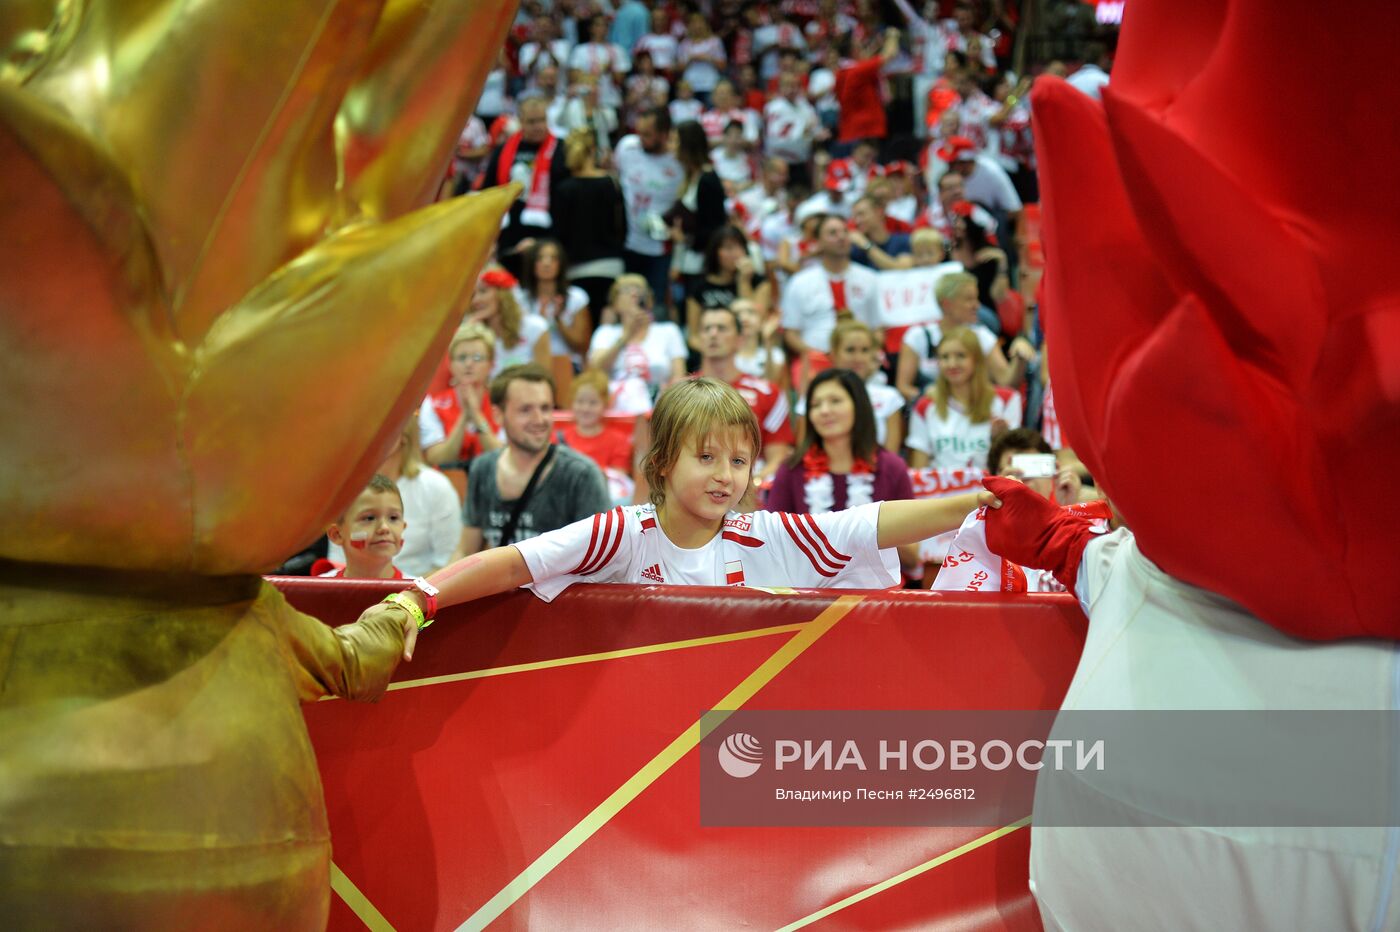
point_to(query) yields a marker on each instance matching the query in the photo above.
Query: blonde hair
(979, 407)
(847, 327)
(595, 379)
(630, 280)
(926, 236)
(474, 332)
(411, 451)
(579, 146)
(690, 411)
(509, 314)
(950, 284)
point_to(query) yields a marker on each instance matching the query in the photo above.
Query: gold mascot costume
(220, 297)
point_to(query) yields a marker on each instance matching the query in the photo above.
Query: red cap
(899, 167)
(958, 149)
(499, 278)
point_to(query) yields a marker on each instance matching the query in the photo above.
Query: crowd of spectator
(726, 189)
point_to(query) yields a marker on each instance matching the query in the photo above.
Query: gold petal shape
(298, 389)
(89, 386)
(221, 113)
(423, 74)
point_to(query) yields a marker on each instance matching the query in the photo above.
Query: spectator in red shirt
(719, 340)
(588, 433)
(858, 90)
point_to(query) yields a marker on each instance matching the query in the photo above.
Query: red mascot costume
(1223, 315)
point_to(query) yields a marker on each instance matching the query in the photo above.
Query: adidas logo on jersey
(653, 573)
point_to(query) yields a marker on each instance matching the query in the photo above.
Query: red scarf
(537, 198)
(816, 463)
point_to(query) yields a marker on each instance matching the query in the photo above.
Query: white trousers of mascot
(1155, 643)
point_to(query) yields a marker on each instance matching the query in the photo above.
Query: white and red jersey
(763, 549)
(790, 126)
(850, 177)
(812, 297)
(955, 441)
(770, 406)
(651, 182)
(714, 121)
(1049, 420)
(661, 47)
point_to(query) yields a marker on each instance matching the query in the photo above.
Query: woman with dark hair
(727, 276)
(838, 463)
(544, 290)
(699, 208)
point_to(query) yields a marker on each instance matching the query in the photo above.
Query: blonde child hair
(474, 331)
(689, 412)
(926, 236)
(979, 408)
(595, 379)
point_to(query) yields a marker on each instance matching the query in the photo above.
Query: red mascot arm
(1030, 530)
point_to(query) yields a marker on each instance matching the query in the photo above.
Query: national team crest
(734, 573)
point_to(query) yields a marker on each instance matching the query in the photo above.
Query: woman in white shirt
(600, 59)
(641, 355)
(953, 424)
(544, 291)
(701, 55)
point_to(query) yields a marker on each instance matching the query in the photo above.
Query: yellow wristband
(410, 606)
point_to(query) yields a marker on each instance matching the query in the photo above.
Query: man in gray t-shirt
(570, 486)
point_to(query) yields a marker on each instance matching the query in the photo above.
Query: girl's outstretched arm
(912, 520)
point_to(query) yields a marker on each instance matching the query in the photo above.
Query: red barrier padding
(440, 795)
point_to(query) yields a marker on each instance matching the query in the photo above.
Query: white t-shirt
(810, 309)
(660, 46)
(530, 55)
(649, 360)
(433, 523)
(532, 327)
(955, 442)
(603, 60)
(768, 39)
(1089, 79)
(822, 203)
(702, 76)
(575, 300)
(650, 185)
(923, 339)
(762, 549)
(684, 110)
(736, 169)
(989, 184)
(789, 129)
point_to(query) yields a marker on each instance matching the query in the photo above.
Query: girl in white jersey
(699, 529)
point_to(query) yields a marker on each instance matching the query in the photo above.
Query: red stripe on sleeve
(802, 545)
(592, 565)
(829, 549)
(592, 542)
(617, 542)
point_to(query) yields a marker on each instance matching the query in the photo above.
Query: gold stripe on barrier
(359, 903)
(602, 655)
(912, 872)
(686, 741)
